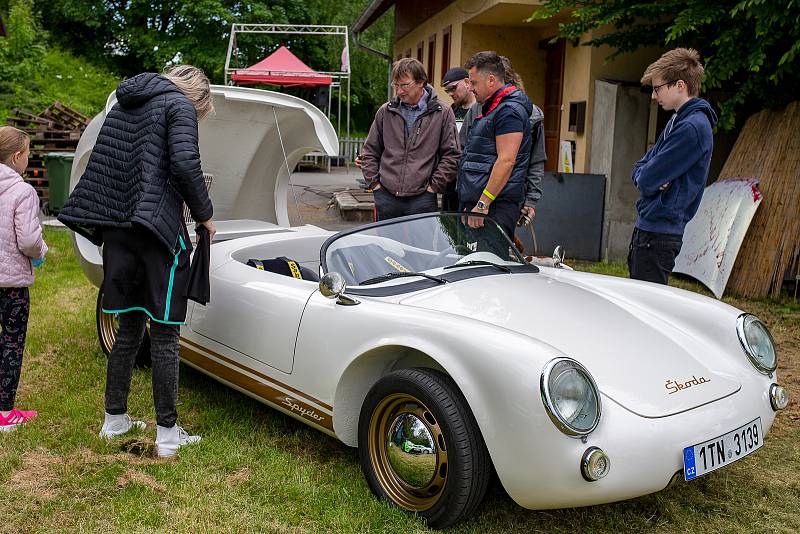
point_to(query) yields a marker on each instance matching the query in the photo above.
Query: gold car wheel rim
(420, 488)
(109, 326)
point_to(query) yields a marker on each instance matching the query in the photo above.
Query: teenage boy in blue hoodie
(672, 175)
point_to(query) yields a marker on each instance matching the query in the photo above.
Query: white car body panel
(658, 347)
(470, 331)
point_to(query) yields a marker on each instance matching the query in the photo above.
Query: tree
(34, 73)
(370, 76)
(131, 36)
(20, 53)
(749, 46)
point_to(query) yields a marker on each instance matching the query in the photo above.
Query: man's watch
(481, 205)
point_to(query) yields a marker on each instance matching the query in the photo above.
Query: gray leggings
(164, 353)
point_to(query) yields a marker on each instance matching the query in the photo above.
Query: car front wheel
(420, 447)
(107, 328)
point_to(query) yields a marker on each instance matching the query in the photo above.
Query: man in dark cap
(456, 85)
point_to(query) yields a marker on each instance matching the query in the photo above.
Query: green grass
(259, 471)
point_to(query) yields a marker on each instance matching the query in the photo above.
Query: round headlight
(757, 343)
(570, 397)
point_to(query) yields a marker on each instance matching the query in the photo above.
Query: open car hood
(240, 147)
(636, 339)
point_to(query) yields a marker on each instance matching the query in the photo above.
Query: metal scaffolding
(340, 77)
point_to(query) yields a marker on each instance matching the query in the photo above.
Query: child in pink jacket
(21, 244)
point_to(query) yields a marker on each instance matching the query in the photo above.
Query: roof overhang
(371, 13)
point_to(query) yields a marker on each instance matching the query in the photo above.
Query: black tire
(107, 328)
(462, 465)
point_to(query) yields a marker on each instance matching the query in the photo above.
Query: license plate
(710, 455)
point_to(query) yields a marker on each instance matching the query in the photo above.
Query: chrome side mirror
(333, 286)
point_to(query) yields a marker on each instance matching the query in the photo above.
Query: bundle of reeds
(768, 149)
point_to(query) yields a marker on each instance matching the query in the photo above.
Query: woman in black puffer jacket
(144, 165)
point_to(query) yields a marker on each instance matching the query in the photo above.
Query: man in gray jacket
(412, 151)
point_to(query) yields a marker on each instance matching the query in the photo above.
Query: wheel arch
(498, 379)
(362, 373)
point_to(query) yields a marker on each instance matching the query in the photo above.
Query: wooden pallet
(66, 135)
(56, 129)
(355, 204)
(43, 146)
(65, 115)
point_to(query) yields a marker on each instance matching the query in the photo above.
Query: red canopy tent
(281, 68)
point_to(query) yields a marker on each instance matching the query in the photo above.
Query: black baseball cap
(456, 74)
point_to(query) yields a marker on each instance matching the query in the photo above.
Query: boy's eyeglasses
(659, 86)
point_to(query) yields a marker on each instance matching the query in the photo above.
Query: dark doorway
(553, 84)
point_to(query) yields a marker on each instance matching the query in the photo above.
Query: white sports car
(439, 352)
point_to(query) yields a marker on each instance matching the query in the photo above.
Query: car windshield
(422, 245)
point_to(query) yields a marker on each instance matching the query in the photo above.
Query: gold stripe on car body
(260, 375)
(279, 399)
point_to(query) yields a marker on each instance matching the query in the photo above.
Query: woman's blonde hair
(195, 85)
(12, 141)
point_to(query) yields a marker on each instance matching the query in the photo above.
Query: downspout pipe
(382, 55)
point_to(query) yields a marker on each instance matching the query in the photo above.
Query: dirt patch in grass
(36, 477)
(139, 447)
(277, 527)
(136, 477)
(88, 456)
(238, 476)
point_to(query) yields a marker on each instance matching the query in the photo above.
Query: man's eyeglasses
(403, 86)
(659, 86)
(450, 89)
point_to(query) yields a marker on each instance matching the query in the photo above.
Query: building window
(445, 51)
(431, 57)
(420, 51)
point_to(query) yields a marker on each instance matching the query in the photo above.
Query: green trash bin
(59, 168)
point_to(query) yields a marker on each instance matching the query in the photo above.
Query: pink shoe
(15, 418)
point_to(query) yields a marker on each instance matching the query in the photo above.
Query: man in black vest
(493, 166)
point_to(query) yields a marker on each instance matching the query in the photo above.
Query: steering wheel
(439, 259)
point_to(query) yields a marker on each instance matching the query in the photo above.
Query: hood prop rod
(288, 171)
